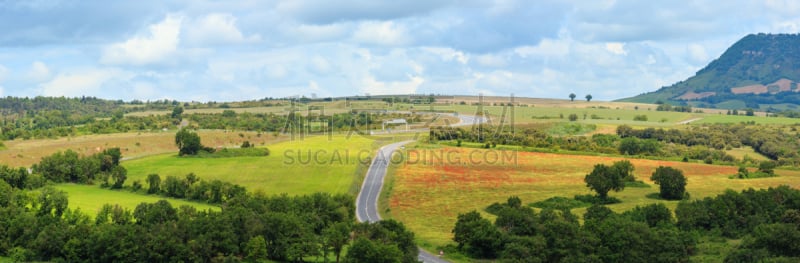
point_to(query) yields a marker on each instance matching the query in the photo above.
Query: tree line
(36, 223)
(767, 220)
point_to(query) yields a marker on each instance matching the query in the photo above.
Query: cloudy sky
(235, 50)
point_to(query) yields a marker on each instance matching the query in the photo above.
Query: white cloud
(491, 60)
(546, 48)
(158, 44)
(217, 29)
(3, 73)
(381, 33)
(697, 53)
(39, 72)
(86, 82)
(448, 54)
(616, 48)
(375, 87)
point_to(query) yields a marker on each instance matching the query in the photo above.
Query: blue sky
(242, 50)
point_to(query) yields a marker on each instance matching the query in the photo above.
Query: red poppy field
(432, 186)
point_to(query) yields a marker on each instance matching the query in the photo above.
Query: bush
(560, 203)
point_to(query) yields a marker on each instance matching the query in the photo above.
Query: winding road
(367, 200)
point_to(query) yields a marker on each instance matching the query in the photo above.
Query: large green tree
(603, 179)
(671, 182)
(188, 142)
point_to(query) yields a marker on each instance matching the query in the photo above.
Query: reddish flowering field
(432, 186)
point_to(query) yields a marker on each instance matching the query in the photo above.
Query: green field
(90, 198)
(301, 166)
(722, 118)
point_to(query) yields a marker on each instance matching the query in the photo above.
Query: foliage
(522, 235)
(256, 227)
(671, 182)
(188, 142)
(560, 203)
(603, 179)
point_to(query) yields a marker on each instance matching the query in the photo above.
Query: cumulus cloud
(155, 46)
(237, 50)
(86, 82)
(381, 33)
(38, 72)
(217, 29)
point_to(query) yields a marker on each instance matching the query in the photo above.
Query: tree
(155, 183)
(672, 183)
(767, 167)
(477, 236)
(604, 179)
(256, 249)
(119, 174)
(336, 237)
(176, 113)
(188, 142)
(573, 117)
(588, 97)
(625, 169)
(368, 251)
(572, 97)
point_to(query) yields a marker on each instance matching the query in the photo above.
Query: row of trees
(68, 166)
(520, 234)
(572, 97)
(767, 220)
(623, 143)
(604, 178)
(252, 228)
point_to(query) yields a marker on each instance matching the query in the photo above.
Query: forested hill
(758, 71)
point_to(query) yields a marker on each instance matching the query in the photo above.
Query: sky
(243, 50)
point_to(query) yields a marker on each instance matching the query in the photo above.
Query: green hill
(759, 70)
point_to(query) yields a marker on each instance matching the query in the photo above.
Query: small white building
(395, 122)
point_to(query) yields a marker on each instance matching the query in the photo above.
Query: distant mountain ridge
(758, 71)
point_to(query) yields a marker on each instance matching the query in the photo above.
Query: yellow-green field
(428, 196)
(133, 145)
(300, 166)
(90, 198)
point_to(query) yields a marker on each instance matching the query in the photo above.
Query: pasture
(133, 145)
(463, 179)
(299, 166)
(90, 198)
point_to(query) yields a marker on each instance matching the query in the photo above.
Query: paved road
(367, 201)
(690, 121)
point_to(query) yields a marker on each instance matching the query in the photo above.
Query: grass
(90, 198)
(133, 145)
(722, 118)
(432, 189)
(301, 166)
(748, 151)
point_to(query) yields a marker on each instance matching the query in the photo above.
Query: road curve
(367, 200)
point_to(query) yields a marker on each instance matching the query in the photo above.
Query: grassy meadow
(133, 145)
(90, 198)
(300, 166)
(425, 187)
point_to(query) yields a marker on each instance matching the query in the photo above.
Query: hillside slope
(759, 71)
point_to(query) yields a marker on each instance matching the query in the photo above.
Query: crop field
(90, 198)
(441, 182)
(722, 118)
(133, 145)
(300, 166)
